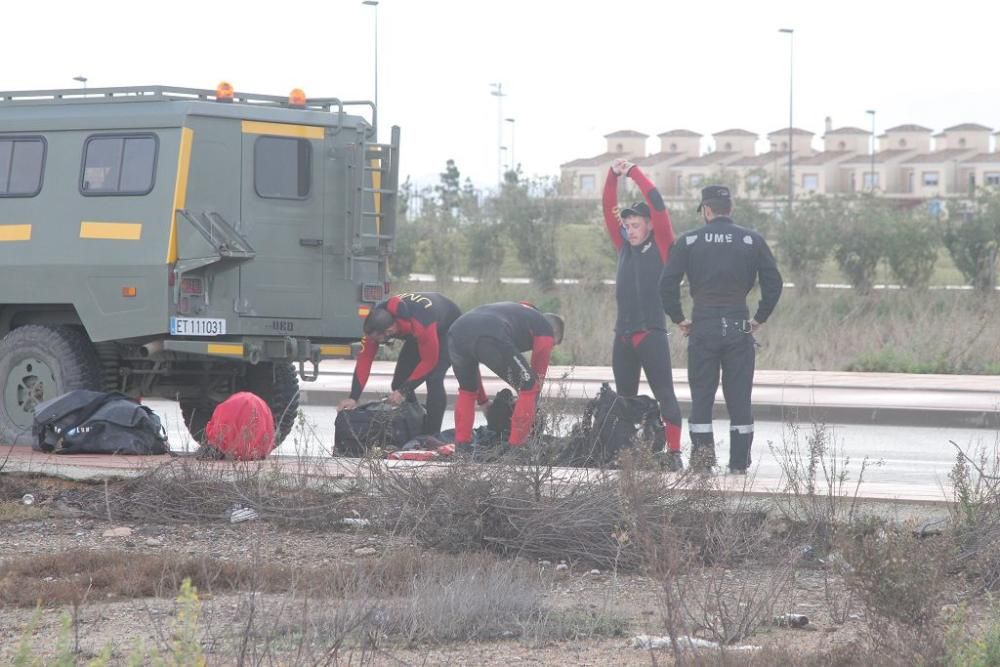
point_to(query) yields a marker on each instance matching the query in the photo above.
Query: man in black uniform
(722, 262)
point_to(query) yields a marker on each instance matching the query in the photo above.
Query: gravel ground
(52, 526)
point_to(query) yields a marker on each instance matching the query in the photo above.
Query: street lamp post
(499, 94)
(374, 5)
(871, 174)
(791, 54)
(82, 79)
(513, 161)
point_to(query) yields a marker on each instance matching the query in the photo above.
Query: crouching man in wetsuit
(495, 335)
(642, 235)
(422, 320)
(722, 262)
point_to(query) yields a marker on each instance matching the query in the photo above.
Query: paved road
(906, 462)
(843, 398)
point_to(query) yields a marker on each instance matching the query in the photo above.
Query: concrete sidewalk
(356, 473)
(828, 397)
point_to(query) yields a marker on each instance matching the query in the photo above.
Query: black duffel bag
(377, 425)
(610, 424)
(97, 422)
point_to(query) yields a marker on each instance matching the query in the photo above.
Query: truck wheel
(196, 413)
(38, 363)
(276, 383)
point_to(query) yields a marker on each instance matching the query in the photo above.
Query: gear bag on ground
(97, 422)
(377, 424)
(242, 427)
(610, 424)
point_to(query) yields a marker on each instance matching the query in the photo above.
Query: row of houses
(908, 162)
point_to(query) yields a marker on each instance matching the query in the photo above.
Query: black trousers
(652, 356)
(437, 399)
(497, 355)
(720, 344)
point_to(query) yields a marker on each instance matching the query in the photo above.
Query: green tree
(972, 237)
(804, 242)
(912, 244)
(861, 241)
(529, 211)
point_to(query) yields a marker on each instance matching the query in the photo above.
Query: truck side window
(22, 162)
(118, 165)
(282, 167)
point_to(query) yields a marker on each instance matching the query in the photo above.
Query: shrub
(972, 237)
(804, 241)
(862, 238)
(912, 244)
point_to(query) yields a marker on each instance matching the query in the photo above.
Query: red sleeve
(663, 231)
(429, 350)
(363, 367)
(541, 351)
(609, 201)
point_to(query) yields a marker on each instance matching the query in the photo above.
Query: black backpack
(610, 424)
(97, 422)
(499, 414)
(377, 424)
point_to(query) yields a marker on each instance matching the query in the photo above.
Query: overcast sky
(572, 71)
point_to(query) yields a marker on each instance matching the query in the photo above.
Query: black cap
(713, 192)
(640, 209)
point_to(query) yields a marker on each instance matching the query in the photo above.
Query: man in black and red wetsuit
(495, 335)
(422, 320)
(642, 235)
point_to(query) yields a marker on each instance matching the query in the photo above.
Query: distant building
(909, 162)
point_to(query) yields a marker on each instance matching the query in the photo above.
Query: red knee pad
(673, 436)
(465, 414)
(523, 417)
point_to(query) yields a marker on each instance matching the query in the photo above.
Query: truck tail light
(191, 286)
(372, 292)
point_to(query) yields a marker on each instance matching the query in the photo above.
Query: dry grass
(187, 490)
(18, 511)
(70, 576)
(830, 330)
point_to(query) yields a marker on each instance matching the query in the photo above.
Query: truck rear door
(282, 218)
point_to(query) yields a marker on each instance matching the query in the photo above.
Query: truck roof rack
(163, 93)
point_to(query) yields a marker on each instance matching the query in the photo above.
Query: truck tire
(277, 383)
(38, 363)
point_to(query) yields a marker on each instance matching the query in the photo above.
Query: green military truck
(186, 244)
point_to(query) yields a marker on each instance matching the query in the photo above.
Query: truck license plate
(197, 326)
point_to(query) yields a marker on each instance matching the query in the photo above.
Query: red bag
(242, 427)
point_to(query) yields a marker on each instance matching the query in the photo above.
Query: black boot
(739, 449)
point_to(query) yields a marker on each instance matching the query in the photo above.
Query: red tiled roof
(909, 128)
(595, 161)
(938, 157)
(658, 158)
(968, 127)
(762, 160)
(795, 131)
(847, 130)
(736, 132)
(708, 159)
(880, 158)
(680, 133)
(822, 158)
(984, 158)
(623, 134)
